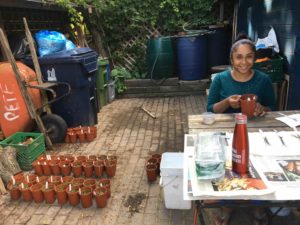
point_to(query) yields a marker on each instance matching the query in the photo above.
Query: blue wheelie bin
(78, 67)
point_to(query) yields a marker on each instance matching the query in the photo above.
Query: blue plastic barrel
(192, 57)
(219, 46)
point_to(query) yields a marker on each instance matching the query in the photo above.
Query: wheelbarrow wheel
(56, 127)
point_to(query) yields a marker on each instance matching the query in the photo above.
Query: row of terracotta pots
(81, 134)
(153, 167)
(72, 189)
(66, 165)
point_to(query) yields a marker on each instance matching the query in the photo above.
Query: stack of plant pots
(81, 134)
(153, 167)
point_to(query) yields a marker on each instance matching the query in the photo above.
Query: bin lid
(67, 54)
(172, 164)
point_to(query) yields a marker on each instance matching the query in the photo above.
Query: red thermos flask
(240, 145)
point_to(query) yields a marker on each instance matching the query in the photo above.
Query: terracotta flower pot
(77, 168)
(112, 158)
(67, 179)
(69, 158)
(60, 157)
(31, 178)
(158, 159)
(91, 183)
(41, 157)
(72, 137)
(55, 167)
(78, 182)
(151, 172)
(65, 168)
(41, 179)
(248, 104)
(37, 167)
(100, 194)
(88, 168)
(19, 177)
(92, 157)
(89, 136)
(106, 184)
(73, 195)
(54, 180)
(14, 191)
(102, 157)
(81, 158)
(49, 193)
(94, 131)
(37, 194)
(25, 190)
(98, 168)
(86, 197)
(61, 193)
(110, 168)
(81, 136)
(46, 168)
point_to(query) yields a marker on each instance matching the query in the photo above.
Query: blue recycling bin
(78, 67)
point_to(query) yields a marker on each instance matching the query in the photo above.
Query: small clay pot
(151, 172)
(91, 183)
(54, 180)
(72, 137)
(100, 195)
(77, 168)
(112, 158)
(110, 168)
(73, 195)
(37, 194)
(106, 184)
(81, 136)
(158, 159)
(78, 182)
(94, 131)
(65, 168)
(86, 197)
(61, 193)
(89, 137)
(102, 157)
(98, 168)
(25, 190)
(46, 168)
(69, 158)
(19, 177)
(49, 193)
(88, 168)
(81, 158)
(67, 180)
(14, 191)
(54, 165)
(31, 178)
(92, 157)
(37, 167)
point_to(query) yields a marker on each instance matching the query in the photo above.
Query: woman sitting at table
(224, 97)
(228, 86)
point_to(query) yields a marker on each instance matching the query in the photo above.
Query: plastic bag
(70, 45)
(269, 41)
(19, 46)
(50, 42)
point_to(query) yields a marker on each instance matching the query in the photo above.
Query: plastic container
(160, 58)
(111, 90)
(78, 67)
(103, 76)
(192, 54)
(28, 145)
(171, 168)
(14, 115)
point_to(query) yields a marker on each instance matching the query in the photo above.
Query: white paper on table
(290, 120)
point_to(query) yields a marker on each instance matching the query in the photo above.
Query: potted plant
(30, 178)
(151, 172)
(37, 194)
(89, 135)
(49, 193)
(25, 190)
(70, 158)
(37, 167)
(54, 180)
(77, 168)
(67, 179)
(91, 183)
(13, 188)
(61, 193)
(81, 158)
(88, 168)
(100, 194)
(72, 136)
(55, 167)
(81, 135)
(106, 184)
(110, 167)
(65, 168)
(41, 179)
(73, 196)
(98, 168)
(158, 160)
(46, 168)
(92, 157)
(78, 182)
(86, 197)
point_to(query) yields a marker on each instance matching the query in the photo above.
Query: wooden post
(36, 64)
(23, 89)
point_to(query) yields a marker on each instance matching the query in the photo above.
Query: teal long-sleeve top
(224, 85)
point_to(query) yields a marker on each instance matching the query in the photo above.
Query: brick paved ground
(132, 135)
(128, 132)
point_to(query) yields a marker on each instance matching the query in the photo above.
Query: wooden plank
(36, 64)
(23, 89)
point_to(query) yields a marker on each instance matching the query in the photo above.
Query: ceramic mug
(248, 104)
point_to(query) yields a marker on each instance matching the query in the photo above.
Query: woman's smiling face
(242, 59)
